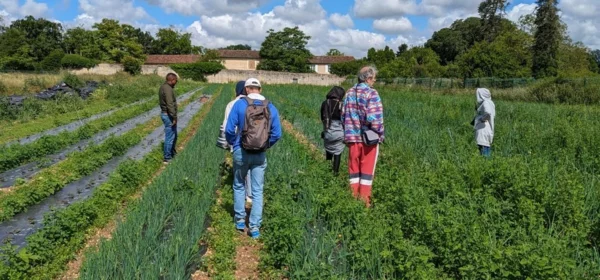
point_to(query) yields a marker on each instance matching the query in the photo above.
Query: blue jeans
(170, 136)
(485, 151)
(256, 164)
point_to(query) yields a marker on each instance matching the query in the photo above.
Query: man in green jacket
(168, 106)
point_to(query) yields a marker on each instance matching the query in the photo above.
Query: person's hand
(174, 123)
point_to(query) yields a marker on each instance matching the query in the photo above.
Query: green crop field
(440, 211)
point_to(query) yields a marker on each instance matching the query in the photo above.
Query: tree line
(39, 44)
(489, 46)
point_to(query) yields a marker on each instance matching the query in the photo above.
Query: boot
(328, 155)
(336, 164)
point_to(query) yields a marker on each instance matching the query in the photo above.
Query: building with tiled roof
(244, 60)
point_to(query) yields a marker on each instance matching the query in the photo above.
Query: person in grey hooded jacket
(484, 121)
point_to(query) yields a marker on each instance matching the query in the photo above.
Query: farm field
(440, 211)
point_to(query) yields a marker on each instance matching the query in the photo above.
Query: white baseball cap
(252, 82)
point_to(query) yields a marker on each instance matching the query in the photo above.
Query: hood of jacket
(483, 94)
(336, 93)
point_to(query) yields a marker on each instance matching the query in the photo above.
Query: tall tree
(143, 38)
(42, 35)
(170, 41)
(238, 47)
(381, 57)
(113, 43)
(491, 13)
(285, 51)
(401, 49)
(547, 39)
(83, 42)
(335, 52)
(595, 57)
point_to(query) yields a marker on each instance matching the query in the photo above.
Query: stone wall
(227, 76)
(270, 77)
(111, 69)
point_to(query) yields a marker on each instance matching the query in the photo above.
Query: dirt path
(247, 258)
(288, 127)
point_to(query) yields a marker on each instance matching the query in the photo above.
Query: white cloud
(520, 10)
(12, 10)
(122, 10)
(300, 11)
(384, 8)
(207, 7)
(392, 25)
(586, 9)
(341, 21)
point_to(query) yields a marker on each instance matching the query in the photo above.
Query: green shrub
(75, 61)
(132, 65)
(569, 91)
(73, 81)
(52, 61)
(197, 71)
(18, 64)
(3, 88)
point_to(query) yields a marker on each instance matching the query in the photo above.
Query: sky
(351, 26)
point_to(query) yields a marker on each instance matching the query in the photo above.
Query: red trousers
(361, 167)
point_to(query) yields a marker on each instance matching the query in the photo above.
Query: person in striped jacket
(362, 110)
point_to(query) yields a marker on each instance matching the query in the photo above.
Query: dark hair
(336, 93)
(171, 76)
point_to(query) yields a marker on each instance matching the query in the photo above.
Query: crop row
(15, 155)
(66, 230)
(76, 166)
(159, 236)
(441, 211)
(36, 116)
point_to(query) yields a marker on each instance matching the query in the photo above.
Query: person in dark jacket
(333, 130)
(168, 107)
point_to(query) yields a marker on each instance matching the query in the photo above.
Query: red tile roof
(329, 59)
(247, 54)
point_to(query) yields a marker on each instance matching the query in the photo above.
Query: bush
(73, 81)
(52, 62)
(18, 64)
(569, 91)
(347, 68)
(132, 65)
(197, 71)
(75, 61)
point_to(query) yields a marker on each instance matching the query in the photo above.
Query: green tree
(41, 35)
(169, 41)
(83, 42)
(13, 43)
(491, 13)
(113, 44)
(381, 57)
(547, 39)
(238, 47)
(574, 60)
(595, 57)
(401, 49)
(347, 68)
(143, 38)
(453, 41)
(285, 51)
(210, 56)
(508, 56)
(52, 62)
(335, 52)
(419, 62)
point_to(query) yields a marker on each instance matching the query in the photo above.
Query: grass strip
(16, 155)
(159, 236)
(221, 237)
(76, 166)
(66, 230)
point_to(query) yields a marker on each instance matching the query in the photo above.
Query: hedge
(197, 71)
(75, 61)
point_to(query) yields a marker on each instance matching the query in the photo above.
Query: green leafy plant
(197, 71)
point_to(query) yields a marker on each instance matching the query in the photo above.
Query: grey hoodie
(484, 121)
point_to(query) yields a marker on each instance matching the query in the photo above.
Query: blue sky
(352, 26)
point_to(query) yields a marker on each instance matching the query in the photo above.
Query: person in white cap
(253, 126)
(484, 121)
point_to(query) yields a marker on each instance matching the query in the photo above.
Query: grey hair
(367, 72)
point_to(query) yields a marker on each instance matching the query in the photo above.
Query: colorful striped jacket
(368, 109)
